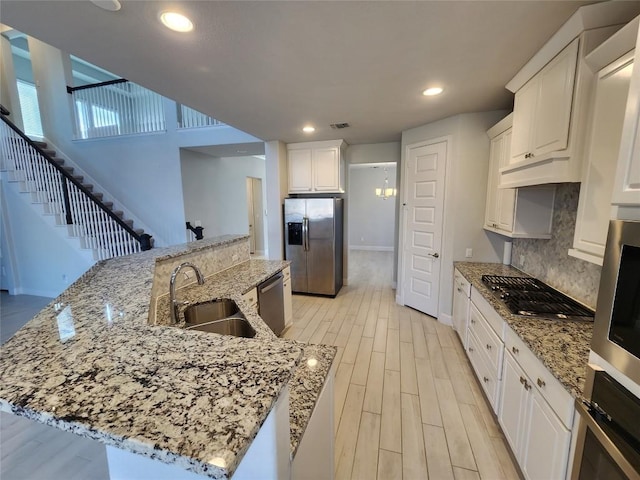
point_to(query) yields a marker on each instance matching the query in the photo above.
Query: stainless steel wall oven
(608, 437)
(616, 331)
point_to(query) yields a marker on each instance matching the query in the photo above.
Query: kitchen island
(104, 362)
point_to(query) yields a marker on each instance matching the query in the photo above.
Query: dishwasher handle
(272, 282)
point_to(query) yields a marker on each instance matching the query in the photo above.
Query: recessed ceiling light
(432, 91)
(109, 5)
(308, 129)
(176, 22)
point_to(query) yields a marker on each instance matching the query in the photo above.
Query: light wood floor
(407, 404)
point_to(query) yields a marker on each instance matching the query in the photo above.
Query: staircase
(62, 193)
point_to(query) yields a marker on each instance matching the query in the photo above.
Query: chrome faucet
(172, 288)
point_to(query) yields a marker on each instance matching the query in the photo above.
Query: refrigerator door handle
(305, 233)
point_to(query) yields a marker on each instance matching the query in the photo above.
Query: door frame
(445, 249)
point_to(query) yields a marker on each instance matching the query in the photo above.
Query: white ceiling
(268, 67)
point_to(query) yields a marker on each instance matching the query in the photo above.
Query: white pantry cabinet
(626, 190)
(316, 167)
(461, 293)
(514, 212)
(607, 116)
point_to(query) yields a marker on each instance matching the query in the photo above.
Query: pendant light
(385, 192)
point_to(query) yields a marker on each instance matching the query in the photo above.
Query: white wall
(48, 263)
(277, 190)
(371, 218)
(465, 194)
(142, 172)
(215, 191)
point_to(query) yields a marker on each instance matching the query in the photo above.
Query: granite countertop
(561, 345)
(90, 363)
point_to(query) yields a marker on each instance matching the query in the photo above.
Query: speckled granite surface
(90, 363)
(562, 346)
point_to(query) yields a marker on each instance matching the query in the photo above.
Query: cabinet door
(506, 202)
(555, 97)
(524, 109)
(300, 178)
(496, 154)
(594, 206)
(460, 312)
(545, 451)
(627, 181)
(326, 169)
(288, 301)
(512, 403)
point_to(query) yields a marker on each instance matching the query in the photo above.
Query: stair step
(51, 153)
(67, 168)
(42, 145)
(78, 178)
(59, 161)
(88, 186)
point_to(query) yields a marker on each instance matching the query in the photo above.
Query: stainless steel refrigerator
(313, 244)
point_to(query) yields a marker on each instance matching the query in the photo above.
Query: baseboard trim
(35, 293)
(371, 248)
(446, 319)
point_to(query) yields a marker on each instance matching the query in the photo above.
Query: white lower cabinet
(461, 293)
(287, 296)
(314, 458)
(538, 438)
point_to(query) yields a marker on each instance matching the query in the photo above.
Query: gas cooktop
(532, 298)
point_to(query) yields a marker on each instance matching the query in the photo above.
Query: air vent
(338, 126)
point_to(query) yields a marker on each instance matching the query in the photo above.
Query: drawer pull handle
(473, 321)
(460, 291)
(522, 380)
(470, 349)
(527, 385)
(488, 347)
(485, 379)
(515, 350)
(541, 383)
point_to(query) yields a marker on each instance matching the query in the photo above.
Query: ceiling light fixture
(386, 191)
(308, 129)
(176, 22)
(429, 92)
(108, 5)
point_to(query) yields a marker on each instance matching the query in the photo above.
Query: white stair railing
(190, 118)
(116, 107)
(64, 196)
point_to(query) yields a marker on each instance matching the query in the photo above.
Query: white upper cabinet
(542, 109)
(607, 116)
(551, 107)
(626, 190)
(316, 167)
(514, 212)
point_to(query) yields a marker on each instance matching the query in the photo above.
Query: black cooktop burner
(530, 297)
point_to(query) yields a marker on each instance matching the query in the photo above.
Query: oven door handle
(605, 441)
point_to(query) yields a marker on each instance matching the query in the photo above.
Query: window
(30, 109)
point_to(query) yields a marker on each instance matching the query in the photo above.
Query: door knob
(434, 255)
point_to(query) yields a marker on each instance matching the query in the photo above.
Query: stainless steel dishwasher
(271, 303)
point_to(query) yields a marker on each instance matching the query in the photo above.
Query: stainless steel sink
(218, 316)
(235, 326)
(211, 311)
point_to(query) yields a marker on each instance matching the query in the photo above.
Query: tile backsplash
(549, 261)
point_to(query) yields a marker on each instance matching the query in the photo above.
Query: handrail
(144, 239)
(70, 90)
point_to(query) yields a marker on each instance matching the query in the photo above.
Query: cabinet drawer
(461, 284)
(488, 341)
(549, 387)
(488, 312)
(486, 376)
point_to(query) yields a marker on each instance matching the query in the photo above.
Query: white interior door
(423, 207)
